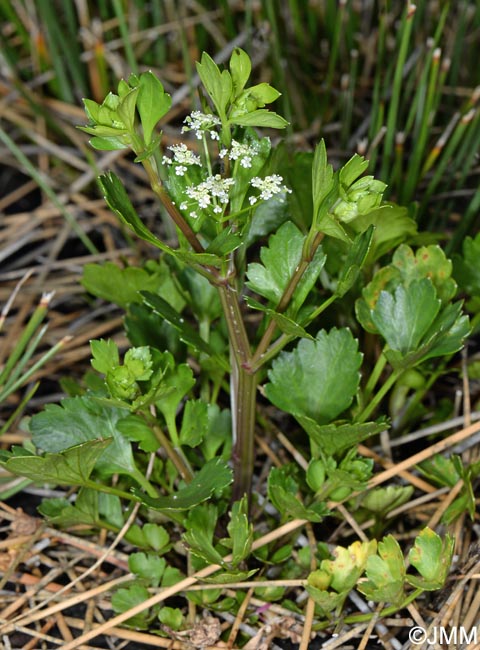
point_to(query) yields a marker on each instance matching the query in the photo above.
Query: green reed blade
(118, 7)
(392, 113)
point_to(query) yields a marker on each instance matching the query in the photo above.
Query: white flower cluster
(268, 186)
(183, 157)
(199, 122)
(242, 152)
(211, 192)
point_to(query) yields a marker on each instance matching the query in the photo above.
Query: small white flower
(210, 192)
(241, 152)
(268, 186)
(183, 206)
(183, 157)
(199, 122)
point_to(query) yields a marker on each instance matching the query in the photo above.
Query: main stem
(243, 388)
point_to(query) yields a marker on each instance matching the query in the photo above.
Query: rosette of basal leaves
(113, 123)
(316, 382)
(409, 304)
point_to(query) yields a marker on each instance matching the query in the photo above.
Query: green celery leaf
(319, 378)
(381, 500)
(123, 286)
(176, 383)
(206, 259)
(260, 118)
(80, 419)
(72, 466)
(385, 573)
(119, 201)
(354, 262)
(152, 103)
(466, 268)
(203, 296)
(447, 333)
(214, 475)
(107, 143)
(218, 440)
(188, 334)
(226, 577)
(285, 324)
(224, 243)
(336, 438)
(428, 262)
(431, 556)
(393, 225)
(404, 317)
(240, 68)
(279, 262)
(282, 492)
(126, 109)
(127, 598)
(322, 177)
(217, 84)
(148, 566)
(200, 525)
(62, 513)
(194, 423)
(134, 428)
(240, 531)
(105, 355)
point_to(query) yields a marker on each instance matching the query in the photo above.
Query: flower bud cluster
(362, 197)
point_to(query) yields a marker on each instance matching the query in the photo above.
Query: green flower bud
(315, 474)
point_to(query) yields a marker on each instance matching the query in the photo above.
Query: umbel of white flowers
(213, 191)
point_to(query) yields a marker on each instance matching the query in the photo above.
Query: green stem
(370, 408)
(307, 256)
(176, 459)
(108, 489)
(166, 201)
(244, 400)
(375, 376)
(388, 611)
(243, 387)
